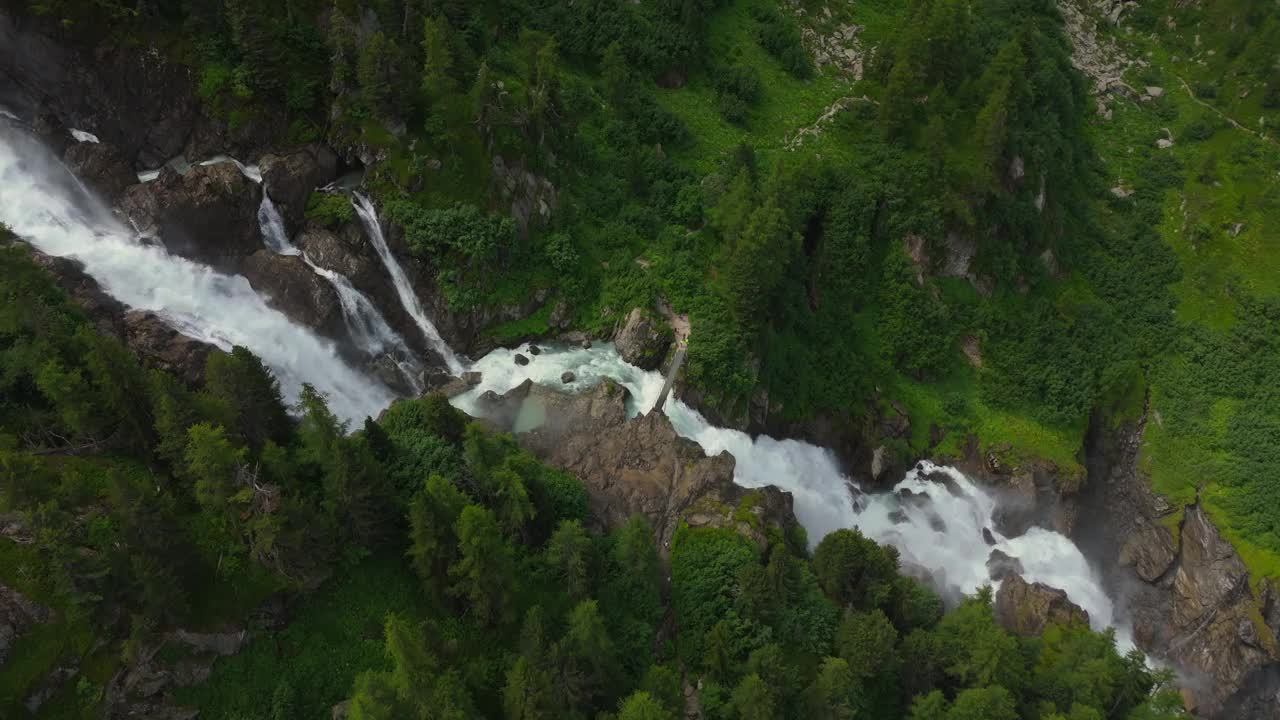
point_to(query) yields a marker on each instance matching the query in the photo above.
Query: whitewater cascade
(272, 225)
(408, 298)
(366, 326)
(43, 203)
(942, 536)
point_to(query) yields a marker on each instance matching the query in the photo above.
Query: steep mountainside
(1032, 239)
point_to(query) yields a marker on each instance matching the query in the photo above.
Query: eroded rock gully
(1187, 593)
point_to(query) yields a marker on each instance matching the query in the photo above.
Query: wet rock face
(1028, 608)
(642, 341)
(295, 290)
(102, 168)
(345, 250)
(210, 214)
(130, 97)
(290, 178)
(1218, 622)
(1209, 571)
(160, 346)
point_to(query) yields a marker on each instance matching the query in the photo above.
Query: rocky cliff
(1185, 589)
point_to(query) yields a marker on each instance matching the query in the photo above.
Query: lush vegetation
(1211, 198)
(966, 140)
(836, 237)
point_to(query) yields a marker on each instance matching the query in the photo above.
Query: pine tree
(832, 694)
(753, 700)
(243, 383)
(568, 555)
(483, 572)
(760, 257)
(641, 705)
(433, 515)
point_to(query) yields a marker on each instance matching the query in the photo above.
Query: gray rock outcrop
(295, 290)
(1001, 565)
(643, 341)
(130, 96)
(628, 466)
(1028, 608)
(209, 214)
(290, 178)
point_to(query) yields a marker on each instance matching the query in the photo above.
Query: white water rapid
(942, 535)
(408, 298)
(44, 205)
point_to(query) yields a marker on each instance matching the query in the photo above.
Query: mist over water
(46, 206)
(942, 535)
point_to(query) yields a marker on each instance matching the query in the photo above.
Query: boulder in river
(521, 360)
(1001, 564)
(567, 377)
(946, 481)
(642, 341)
(1028, 608)
(534, 350)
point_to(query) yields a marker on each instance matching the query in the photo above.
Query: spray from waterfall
(935, 529)
(408, 298)
(41, 202)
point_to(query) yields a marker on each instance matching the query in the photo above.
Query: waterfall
(82, 136)
(408, 298)
(272, 225)
(41, 203)
(365, 324)
(934, 529)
